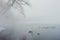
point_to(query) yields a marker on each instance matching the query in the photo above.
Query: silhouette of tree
(6, 4)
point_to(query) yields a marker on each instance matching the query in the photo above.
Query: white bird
(10, 19)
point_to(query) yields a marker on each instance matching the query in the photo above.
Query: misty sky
(44, 11)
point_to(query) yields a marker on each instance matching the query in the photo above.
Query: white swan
(10, 19)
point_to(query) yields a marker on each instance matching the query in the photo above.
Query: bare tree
(6, 4)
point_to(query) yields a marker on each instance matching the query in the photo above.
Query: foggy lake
(30, 20)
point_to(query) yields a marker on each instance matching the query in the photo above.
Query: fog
(45, 11)
(40, 21)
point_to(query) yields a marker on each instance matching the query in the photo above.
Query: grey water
(43, 31)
